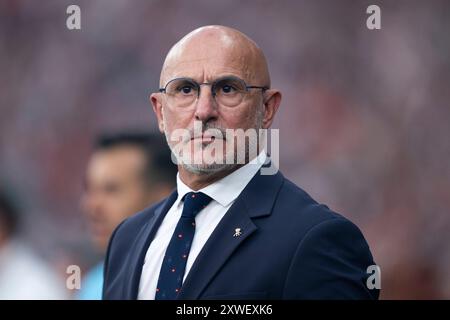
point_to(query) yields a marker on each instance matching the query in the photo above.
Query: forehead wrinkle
(210, 67)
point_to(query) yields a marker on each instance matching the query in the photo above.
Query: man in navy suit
(230, 230)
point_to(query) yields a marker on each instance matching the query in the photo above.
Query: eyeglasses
(227, 91)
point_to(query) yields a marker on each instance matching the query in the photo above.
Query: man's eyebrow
(224, 76)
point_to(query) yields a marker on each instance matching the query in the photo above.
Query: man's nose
(206, 108)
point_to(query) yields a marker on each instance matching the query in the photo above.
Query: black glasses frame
(213, 84)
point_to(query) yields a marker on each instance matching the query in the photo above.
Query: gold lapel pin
(237, 232)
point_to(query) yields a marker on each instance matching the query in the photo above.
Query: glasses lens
(182, 92)
(229, 91)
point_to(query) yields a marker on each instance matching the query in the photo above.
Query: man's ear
(272, 100)
(155, 99)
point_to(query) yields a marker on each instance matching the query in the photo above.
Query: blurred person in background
(126, 173)
(23, 274)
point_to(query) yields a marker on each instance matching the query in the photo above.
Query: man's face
(204, 62)
(114, 190)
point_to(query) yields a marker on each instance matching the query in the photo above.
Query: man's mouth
(205, 138)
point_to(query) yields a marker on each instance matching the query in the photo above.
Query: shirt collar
(227, 189)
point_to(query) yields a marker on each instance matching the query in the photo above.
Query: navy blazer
(290, 247)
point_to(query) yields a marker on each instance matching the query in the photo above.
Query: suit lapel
(217, 250)
(256, 200)
(139, 247)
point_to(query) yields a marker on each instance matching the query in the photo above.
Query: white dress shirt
(223, 193)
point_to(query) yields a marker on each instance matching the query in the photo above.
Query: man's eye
(111, 188)
(227, 88)
(185, 89)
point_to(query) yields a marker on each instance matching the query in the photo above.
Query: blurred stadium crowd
(364, 121)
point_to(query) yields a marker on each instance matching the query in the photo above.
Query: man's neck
(197, 181)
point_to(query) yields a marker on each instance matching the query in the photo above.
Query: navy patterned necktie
(174, 263)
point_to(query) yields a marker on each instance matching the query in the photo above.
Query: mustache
(214, 130)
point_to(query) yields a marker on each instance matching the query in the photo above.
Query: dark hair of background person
(159, 167)
(9, 214)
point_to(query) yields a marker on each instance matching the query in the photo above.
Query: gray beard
(211, 169)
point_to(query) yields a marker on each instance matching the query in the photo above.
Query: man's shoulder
(324, 238)
(298, 207)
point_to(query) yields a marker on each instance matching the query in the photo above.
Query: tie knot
(194, 202)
